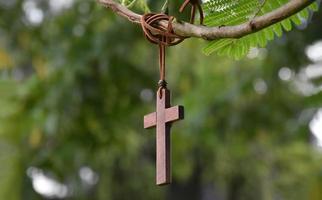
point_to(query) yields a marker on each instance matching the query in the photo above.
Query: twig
(211, 33)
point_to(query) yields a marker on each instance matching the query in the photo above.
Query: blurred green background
(76, 80)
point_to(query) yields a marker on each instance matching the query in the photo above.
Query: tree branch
(210, 33)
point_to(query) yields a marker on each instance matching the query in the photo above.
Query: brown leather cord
(195, 4)
(162, 37)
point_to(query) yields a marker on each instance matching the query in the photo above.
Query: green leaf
(223, 13)
(142, 4)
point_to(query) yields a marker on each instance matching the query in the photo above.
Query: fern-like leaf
(232, 12)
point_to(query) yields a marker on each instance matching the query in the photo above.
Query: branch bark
(211, 33)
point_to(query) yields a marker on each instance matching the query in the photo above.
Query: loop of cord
(195, 4)
(158, 34)
(162, 37)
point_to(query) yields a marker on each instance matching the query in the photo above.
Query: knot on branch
(158, 34)
(163, 37)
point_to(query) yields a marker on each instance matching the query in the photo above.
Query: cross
(162, 119)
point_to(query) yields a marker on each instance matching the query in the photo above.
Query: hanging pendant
(162, 119)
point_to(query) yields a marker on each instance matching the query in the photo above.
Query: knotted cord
(195, 4)
(162, 37)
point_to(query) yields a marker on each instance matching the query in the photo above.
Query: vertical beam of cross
(162, 119)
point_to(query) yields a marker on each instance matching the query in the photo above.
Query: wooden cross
(162, 119)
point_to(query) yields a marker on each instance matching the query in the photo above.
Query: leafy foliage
(225, 13)
(74, 88)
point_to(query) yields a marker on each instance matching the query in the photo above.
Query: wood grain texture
(172, 114)
(162, 119)
(163, 140)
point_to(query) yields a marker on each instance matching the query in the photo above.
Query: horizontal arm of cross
(172, 114)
